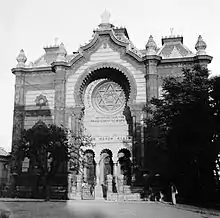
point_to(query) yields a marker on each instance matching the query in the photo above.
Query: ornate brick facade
(60, 88)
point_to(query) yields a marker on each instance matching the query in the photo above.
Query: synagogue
(102, 87)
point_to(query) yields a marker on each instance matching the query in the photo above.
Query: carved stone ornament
(109, 97)
(151, 46)
(200, 46)
(21, 58)
(41, 100)
(105, 17)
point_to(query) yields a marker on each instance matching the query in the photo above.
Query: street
(102, 209)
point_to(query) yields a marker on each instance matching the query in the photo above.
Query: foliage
(184, 123)
(49, 147)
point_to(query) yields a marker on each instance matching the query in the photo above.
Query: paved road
(102, 209)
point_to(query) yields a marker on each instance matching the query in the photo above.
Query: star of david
(110, 97)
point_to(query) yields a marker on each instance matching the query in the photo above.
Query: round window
(108, 97)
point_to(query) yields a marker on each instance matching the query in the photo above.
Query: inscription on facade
(112, 138)
(108, 119)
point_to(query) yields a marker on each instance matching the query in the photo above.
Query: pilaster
(18, 125)
(137, 141)
(59, 86)
(152, 76)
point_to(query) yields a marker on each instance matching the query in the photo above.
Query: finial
(105, 17)
(61, 53)
(55, 40)
(200, 46)
(151, 46)
(21, 59)
(171, 32)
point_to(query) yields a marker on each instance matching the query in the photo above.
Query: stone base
(98, 192)
(74, 196)
(112, 197)
(124, 197)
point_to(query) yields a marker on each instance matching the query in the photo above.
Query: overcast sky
(33, 24)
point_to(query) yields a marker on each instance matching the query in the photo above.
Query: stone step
(124, 197)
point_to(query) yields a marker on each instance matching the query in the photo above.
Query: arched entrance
(125, 165)
(104, 95)
(106, 168)
(89, 175)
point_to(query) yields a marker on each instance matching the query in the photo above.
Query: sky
(34, 24)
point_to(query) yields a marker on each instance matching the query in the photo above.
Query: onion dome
(200, 46)
(151, 46)
(21, 59)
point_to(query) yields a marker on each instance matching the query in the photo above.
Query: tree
(183, 123)
(58, 144)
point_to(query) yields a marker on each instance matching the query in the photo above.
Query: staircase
(129, 194)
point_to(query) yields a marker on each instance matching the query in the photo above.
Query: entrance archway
(89, 174)
(125, 165)
(106, 168)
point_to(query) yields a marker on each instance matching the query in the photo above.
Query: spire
(21, 59)
(151, 46)
(200, 46)
(61, 53)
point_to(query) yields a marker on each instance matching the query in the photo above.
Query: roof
(3, 152)
(173, 47)
(49, 57)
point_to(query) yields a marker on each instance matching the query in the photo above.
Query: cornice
(206, 58)
(193, 59)
(31, 70)
(156, 58)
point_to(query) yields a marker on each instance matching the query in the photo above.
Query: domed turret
(200, 46)
(21, 59)
(151, 46)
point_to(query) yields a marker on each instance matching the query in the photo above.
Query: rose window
(109, 97)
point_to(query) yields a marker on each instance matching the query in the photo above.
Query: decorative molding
(41, 100)
(36, 113)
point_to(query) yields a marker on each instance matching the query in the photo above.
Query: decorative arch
(92, 73)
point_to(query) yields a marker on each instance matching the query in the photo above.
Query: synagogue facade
(103, 87)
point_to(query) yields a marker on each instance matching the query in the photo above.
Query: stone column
(79, 184)
(115, 170)
(69, 185)
(97, 174)
(59, 108)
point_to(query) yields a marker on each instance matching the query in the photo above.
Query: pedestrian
(174, 192)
